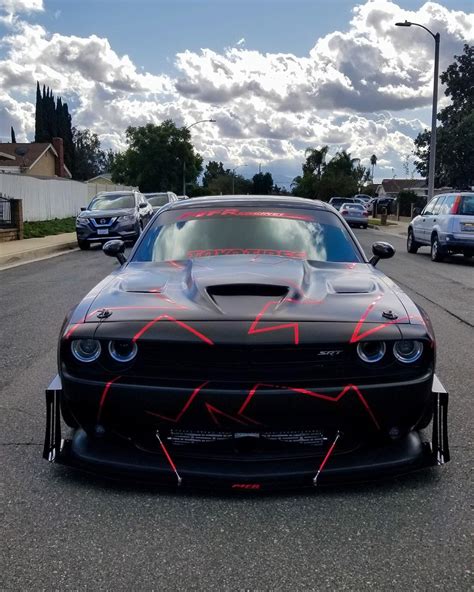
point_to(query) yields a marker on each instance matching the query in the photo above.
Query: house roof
(32, 152)
(397, 185)
(107, 176)
(25, 154)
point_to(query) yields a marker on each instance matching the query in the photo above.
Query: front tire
(436, 250)
(84, 245)
(412, 245)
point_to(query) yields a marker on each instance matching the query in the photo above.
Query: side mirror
(115, 248)
(142, 205)
(416, 212)
(83, 209)
(381, 250)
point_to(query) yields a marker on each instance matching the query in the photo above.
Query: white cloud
(269, 107)
(16, 6)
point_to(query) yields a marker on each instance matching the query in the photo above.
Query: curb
(28, 256)
(387, 230)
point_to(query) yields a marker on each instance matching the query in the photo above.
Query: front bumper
(116, 231)
(118, 458)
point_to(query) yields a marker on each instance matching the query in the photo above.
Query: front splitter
(120, 460)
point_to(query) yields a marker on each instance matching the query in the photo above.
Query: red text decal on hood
(244, 213)
(237, 251)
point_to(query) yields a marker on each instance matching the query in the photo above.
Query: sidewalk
(14, 253)
(396, 228)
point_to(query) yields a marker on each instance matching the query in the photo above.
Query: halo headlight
(123, 351)
(407, 351)
(86, 350)
(371, 351)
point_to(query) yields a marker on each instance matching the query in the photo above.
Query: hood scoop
(267, 290)
(239, 299)
(352, 285)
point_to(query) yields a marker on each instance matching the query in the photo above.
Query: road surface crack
(437, 304)
(20, 444)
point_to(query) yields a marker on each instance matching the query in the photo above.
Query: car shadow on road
(459, 260)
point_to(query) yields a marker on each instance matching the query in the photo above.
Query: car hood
(247, 288)
(106, 213)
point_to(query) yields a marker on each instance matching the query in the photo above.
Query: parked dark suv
(113, 214)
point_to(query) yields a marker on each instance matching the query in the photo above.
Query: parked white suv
(446, 224)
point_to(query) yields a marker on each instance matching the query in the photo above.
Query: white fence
(94, 188)
(46, 199)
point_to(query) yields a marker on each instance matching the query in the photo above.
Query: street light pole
(434, 112)
(187, 127)
(432, 165)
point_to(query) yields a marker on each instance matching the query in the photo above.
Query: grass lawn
(377, 222)
(48, 227)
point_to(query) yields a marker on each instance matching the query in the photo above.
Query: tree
(213, 170)
(12, 132)
(262, 184)
(90, 160)
(373, 162)
(52, 119)
(341, 176)
(156, 157)
(315, 159)
(455, 135)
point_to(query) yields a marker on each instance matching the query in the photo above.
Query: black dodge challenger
(248, 344)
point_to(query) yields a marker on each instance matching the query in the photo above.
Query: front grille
(229, 363)
(186, 438)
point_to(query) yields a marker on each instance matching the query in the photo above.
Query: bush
(406, 198)
(49, 227)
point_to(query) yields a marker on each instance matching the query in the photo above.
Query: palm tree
(373, 162)
(315, 160)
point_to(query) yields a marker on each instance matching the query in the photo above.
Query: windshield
(283, 232)
(160, 199)
(112, 201)
(353, 206)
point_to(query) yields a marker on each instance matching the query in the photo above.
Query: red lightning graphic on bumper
(104, 397)
(347, 389)
(186, 406)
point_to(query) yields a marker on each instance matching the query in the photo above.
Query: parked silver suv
(446, 224)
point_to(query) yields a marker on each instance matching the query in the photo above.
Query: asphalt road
(63, 531)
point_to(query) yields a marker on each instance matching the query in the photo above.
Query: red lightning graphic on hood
(180, 323)
(254, 329)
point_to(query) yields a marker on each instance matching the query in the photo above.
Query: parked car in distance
(113, 214)
(354, 214)
(158, 200)
(337, 202)
(446, 224)
(362, 196)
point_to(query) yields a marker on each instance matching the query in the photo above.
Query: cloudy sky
(279, 76)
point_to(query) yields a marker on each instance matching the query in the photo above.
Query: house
(103, 179)
(39, 159)
(392, 187)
